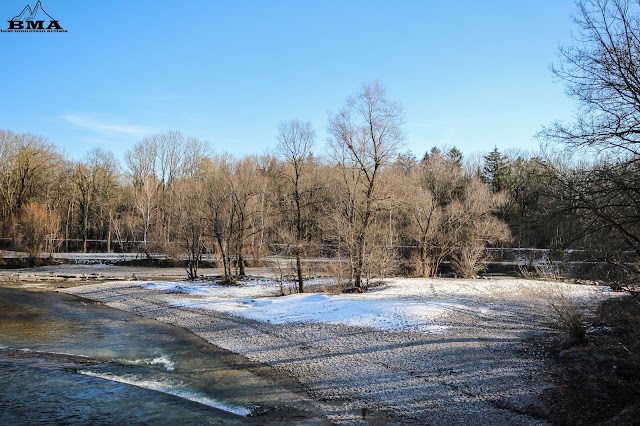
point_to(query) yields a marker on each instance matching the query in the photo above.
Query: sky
(469, 74)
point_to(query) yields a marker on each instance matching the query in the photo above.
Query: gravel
(477, 372)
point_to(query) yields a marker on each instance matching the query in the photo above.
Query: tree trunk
(85, 227)
(241, 272)
(66, 229)
(240, 245)
(298, 234)
(299, 268)
(423, 258)
(225, 258)
(109, 237)
(359, 263)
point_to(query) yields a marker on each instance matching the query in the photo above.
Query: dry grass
(599, 383)
(565, 312)
(567, 315)
(542, 270)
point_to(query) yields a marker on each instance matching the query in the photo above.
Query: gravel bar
(476, 373)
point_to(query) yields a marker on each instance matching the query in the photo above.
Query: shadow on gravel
(389, 347)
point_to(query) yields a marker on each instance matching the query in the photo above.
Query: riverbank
(474, 366)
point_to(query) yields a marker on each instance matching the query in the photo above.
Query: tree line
(365, 201)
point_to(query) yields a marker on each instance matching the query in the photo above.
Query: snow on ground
(401, 304)
(500, 287)
(355, 310)
(250, 287)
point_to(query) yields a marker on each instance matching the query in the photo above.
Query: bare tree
(233, 202)
(141, 161)
(475, 224)
(191, 222)
(177, 157)
(26, 162)
(95, 181)
(434, 184)
(601, 73)
(190, 211)
(295, 142)
(452, 215)
(340, 212)
(366, 135)
(38, 228)
(155, 163)
(245, 187)
(221, 210)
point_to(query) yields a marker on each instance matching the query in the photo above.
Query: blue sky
(468, 73)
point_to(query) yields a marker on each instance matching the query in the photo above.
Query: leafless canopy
(602, 75)
(295, 141)
(369, 127)
(601, 72)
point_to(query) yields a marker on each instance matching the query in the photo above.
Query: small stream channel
(65, 359)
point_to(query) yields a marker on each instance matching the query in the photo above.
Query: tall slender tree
(295, 141)
(366, 135)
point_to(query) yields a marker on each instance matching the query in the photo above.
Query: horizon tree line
(358, 203)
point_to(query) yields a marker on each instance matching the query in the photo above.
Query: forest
(380, 209)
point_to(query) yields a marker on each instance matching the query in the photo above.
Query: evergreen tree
(496, 170)
(433, 153)
(455, 155)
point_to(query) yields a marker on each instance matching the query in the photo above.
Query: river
(65, 359)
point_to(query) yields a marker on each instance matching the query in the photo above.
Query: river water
(65, 359)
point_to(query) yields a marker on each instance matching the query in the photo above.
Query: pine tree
(496, 170)
(455, 156)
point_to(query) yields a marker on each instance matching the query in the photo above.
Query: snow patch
(413, 304)
(357, 310)
(250, 288)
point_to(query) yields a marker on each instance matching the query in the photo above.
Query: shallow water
(70, 360)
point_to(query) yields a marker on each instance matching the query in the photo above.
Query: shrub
(469, 261)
